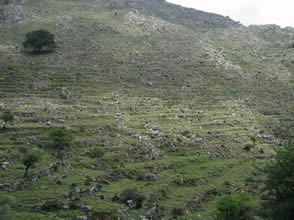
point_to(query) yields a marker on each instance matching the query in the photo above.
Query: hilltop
(170, 95)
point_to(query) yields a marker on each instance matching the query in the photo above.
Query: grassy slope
(153, 72)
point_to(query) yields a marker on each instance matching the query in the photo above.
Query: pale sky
(280, 12)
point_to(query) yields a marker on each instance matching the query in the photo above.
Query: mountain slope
(171, 95)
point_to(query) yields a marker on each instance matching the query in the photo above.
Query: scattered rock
(211, 132)
(154, 128)
(197, 139)
(151, 214)
(5, 165)
(247, 147)
(150, 176)
(82, 217)
(117, 116)
(261, 150)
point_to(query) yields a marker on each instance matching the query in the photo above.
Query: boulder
(150, 176)
(151, 214)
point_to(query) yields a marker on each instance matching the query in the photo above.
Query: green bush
(39, 41)
(61, 138)
(52, 205)
(177, 211)
(8, 118)
(254, 139)
(234, 207)
(96, 153)
(132, 194)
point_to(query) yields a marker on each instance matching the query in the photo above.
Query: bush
(254, 139)
(279, 184)
(177, 211)
(61, 138)
(8, 118)
(39, 41)
(234, 207)
(132, 194)
(96, 153)
(52, 205)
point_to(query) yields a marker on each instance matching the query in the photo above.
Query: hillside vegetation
(158, 97)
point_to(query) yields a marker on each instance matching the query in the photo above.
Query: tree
(7, 117)
(234, 207)
(40, 41)
(30, 160)
(279, 184)
(132, 194)
(61, 139)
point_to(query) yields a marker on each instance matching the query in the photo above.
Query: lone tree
(40, 41)
(30, 160)
(279, 184)
(7, 117)
(61, 139)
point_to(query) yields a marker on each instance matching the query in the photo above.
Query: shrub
(52, 205)
(254, 139)
(279, 184)
(61, 138)
(8, 118)
(234, 207)
(177, 211)
(39, 41)
(96, 153)
(132, 194)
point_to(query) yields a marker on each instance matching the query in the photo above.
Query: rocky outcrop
(172, 13)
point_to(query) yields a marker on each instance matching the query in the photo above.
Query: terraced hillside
(170, 95)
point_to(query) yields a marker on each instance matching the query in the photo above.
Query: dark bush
(96, 153)
(39, 41)
(8, 118)
(60, 138)
(52, 205)
(177, 211)
(132, 194)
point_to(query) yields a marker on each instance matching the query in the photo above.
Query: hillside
(170, 95)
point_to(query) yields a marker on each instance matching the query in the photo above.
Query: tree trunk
(26, 171)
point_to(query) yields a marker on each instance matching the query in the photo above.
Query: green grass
(154, 71)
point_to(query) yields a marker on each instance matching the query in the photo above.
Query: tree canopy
(61, 138)
(30, 160)
(279, 184)
(40, 41)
